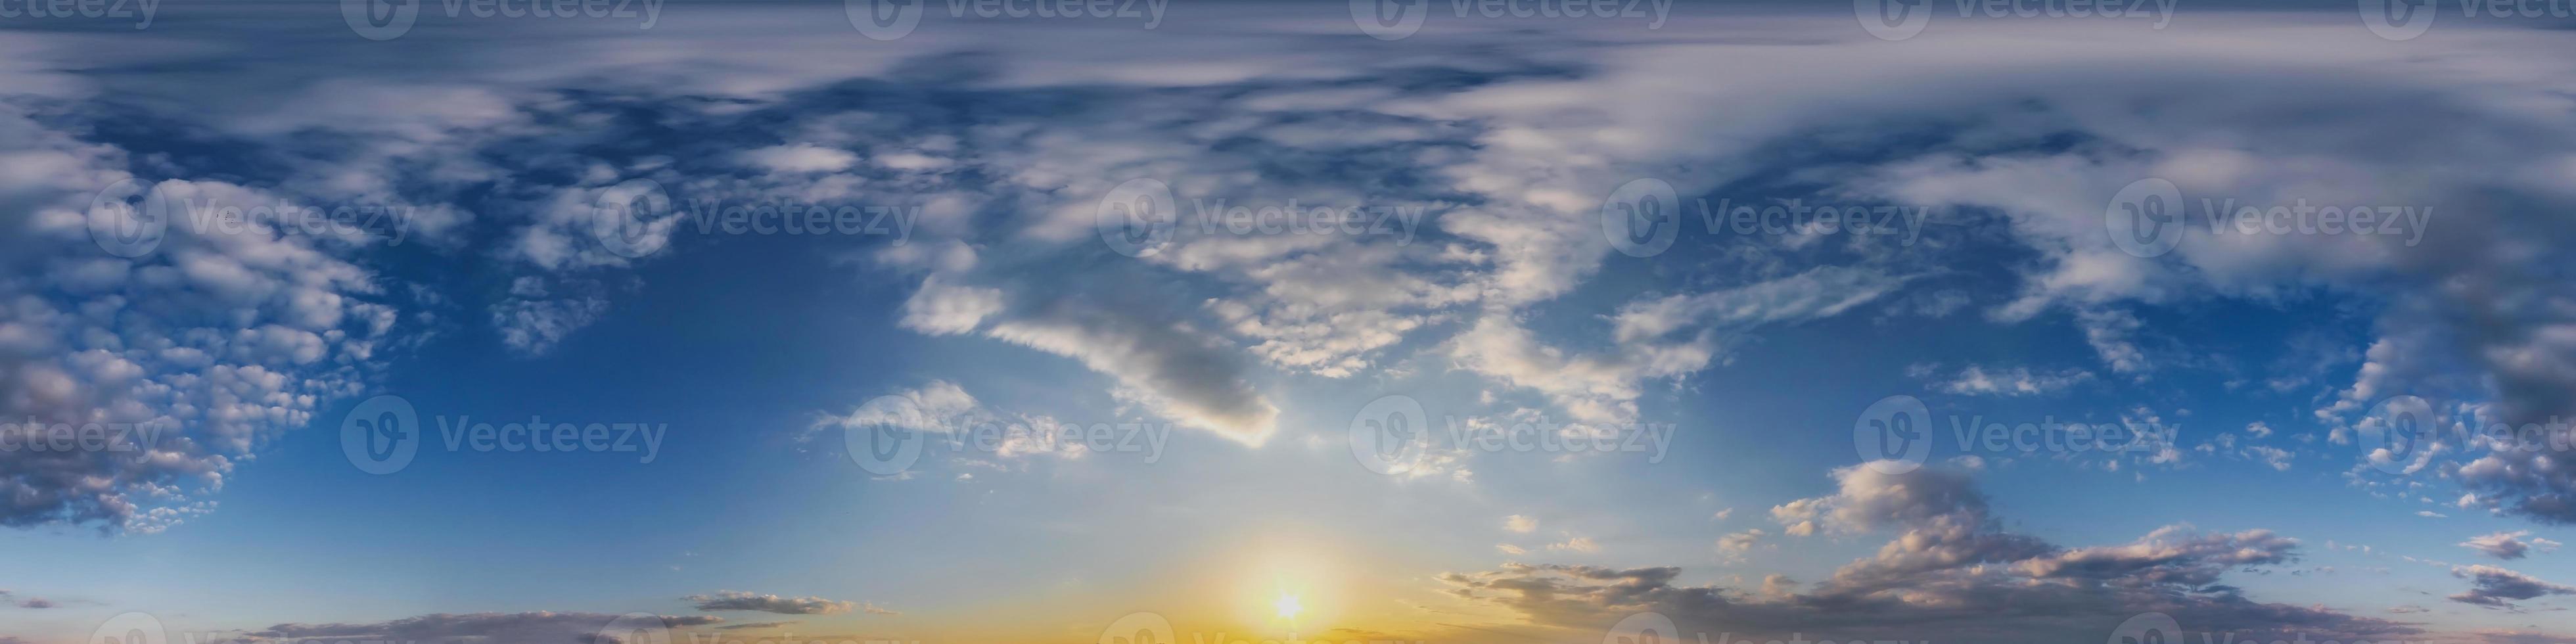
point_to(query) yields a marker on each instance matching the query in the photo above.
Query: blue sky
(1487, 354)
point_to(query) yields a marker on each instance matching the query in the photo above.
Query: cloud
(1520, 524)
(2498, 588)
(2509, 545)
(739, 600)
(1950, 574)
(534, 628)
(2018, 381)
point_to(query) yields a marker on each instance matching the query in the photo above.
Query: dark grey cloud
(2498, 588)
(739, 600)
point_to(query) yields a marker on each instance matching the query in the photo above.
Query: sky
(1174, 321)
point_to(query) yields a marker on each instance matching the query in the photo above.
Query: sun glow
(1288, 606)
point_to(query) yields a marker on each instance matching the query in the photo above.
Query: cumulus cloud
(2509, 545)
(2498, 588)
(739, 600)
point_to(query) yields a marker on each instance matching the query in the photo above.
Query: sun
(1288, 606)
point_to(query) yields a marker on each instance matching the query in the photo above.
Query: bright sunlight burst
(1288, 606)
